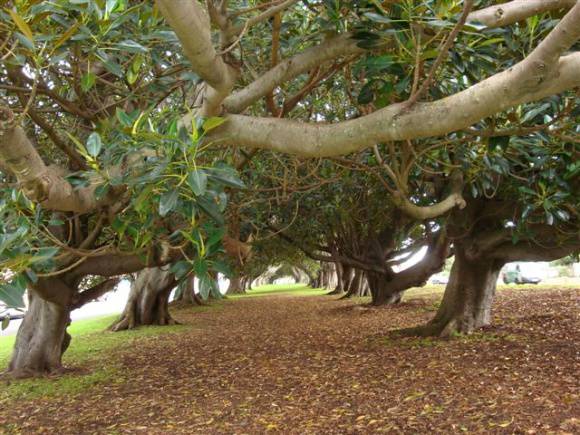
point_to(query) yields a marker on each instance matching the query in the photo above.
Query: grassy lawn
(90, 341)
(282, 290)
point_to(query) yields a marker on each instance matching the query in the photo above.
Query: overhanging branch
(511, 12)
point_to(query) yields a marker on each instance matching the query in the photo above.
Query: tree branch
(509, 88)
(265, 15)
(454, 199)
(530, 251)
(290, 68)
(41, 184)
(191, 25)
(94, 292)
(511, 12)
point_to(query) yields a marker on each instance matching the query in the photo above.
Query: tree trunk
(353, 284)
(383, 292)
(188, 295)
(148, 300)
(468, 298)
(41, 339)
(337, 273)
(236, 286)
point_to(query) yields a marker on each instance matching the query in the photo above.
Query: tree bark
(468, 298)
(388, 287)
(41, 340)
(148, 302)
(383, 292)
(236, 286)
(188, 295)
(339, 273)
(354, 284)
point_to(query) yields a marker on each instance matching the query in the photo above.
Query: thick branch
(289, 69)
(432, 262)
(514, 11)
(515, 86)
(94, 292)
(454, 199)
(41, 184)
(529, 251)
(191, 25)
(114, 264)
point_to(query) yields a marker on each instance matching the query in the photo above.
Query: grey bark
(236, 285)
(468, 298)
(41, 340)
(148, 302)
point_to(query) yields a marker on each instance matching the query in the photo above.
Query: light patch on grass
(282, 290)
(90, 343)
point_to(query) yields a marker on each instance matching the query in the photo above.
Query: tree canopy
(129, 128)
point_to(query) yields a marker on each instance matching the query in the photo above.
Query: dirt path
(315, 365)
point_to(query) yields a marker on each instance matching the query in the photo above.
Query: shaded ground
(315, 365)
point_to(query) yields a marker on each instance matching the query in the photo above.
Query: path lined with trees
(329, 140)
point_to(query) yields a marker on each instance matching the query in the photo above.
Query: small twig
(468, 4)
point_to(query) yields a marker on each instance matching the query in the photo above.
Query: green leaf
(131, 76)
(94, 144)
(204, 287)
(114, 68)
(378, 18)
(213, 122)
(210, 208)
(197, 180)
(12, 295)
(21, 24)
(123, 118)
(366, 95)
(227, 176)
(110, 6)
(24, 40)
(167, 202)
(88, 81)
(549, 218)
(5, 322)
(180, 269)
(498, 141)
(535, 112)
(223, 268)
(131, 46)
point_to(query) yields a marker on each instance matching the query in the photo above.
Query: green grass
(281, 290)
(90, 342)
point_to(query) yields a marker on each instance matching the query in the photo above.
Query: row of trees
(127, 128)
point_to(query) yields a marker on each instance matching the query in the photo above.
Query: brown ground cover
(317, 365)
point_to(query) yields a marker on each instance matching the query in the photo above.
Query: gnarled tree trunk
(41, 339)
(188, 295)
(236, 286)
(148, 302)
(388, 288)
(354, 284)
(468, 298)
(383, 292)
